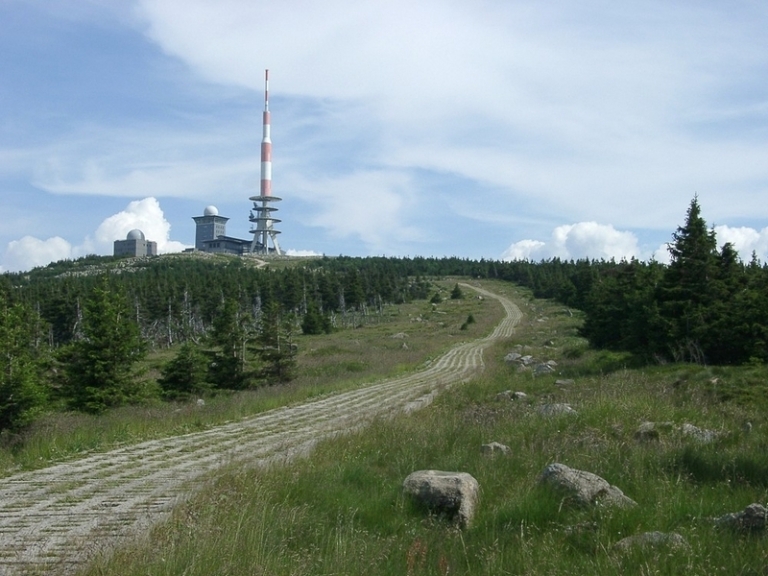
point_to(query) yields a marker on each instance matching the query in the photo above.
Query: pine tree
(99, 366)
(314, 322)
(22, 394)
(232, 330)
(689, 287)
(187, 374)
(276, 348)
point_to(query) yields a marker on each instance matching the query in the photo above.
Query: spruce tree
(276, 348)
(187, 374)
(100, 365)
(22, 394)
(688, 289)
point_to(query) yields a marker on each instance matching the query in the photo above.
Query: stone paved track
(52, 520)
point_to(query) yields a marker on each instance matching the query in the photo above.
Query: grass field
(341, 511)
(399, 340)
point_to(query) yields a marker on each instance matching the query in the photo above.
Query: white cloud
(154, 161)
(300, 253)
(369, 206)
(745, 241)
(30, 252)
(594, 113)
(146, 215)
(573, 241)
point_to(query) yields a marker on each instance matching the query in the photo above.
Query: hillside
(343, 511)
(102, 498)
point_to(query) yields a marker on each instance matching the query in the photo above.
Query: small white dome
(135, 235)
(211, 211)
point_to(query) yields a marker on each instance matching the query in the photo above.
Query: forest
(71, 333)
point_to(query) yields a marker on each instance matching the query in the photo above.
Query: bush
(186, 375)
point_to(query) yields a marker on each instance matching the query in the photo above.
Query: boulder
(495, 448)
(543, 369)
(752, 519)
(583, 488)
(453, 494)
(549, 410)
(512, 357)
(519, 395)
(671, 540)
(564, 382)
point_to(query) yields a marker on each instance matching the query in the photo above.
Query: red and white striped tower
(261, 214)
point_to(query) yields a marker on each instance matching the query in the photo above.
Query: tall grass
(342, 511)
(326, 363)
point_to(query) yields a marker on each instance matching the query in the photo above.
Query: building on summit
(135, 244)
(211, 234)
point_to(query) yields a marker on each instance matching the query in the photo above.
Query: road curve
(52, 520)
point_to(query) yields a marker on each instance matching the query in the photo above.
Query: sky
(497, 129)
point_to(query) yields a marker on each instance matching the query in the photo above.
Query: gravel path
(52, 520)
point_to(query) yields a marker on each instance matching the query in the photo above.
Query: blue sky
(495, 129)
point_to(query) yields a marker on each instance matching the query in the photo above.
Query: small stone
(564, 382)
(583, 488)
(519, 395)
(752, 519)
(543, 369)
(548, 410)
(699, 434)
(495, 448)
(647, 432)
(672, 540)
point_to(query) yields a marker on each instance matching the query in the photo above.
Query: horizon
(493, 131)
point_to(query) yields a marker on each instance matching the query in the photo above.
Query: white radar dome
(135, 235)
(211, 211)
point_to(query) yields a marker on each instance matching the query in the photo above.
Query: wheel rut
(53, 520)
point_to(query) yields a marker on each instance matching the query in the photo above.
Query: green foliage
(99, 366)
(186, 375)
(315, 322)
(232, 329)
(436, 298)
(22, 393)
(276, 348)
(456, 293)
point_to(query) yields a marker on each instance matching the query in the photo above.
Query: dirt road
(53, 520)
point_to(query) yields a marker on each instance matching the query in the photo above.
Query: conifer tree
(22, 394)
(689, 287)
(99, 366)
(187, 374)
(276, 348)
